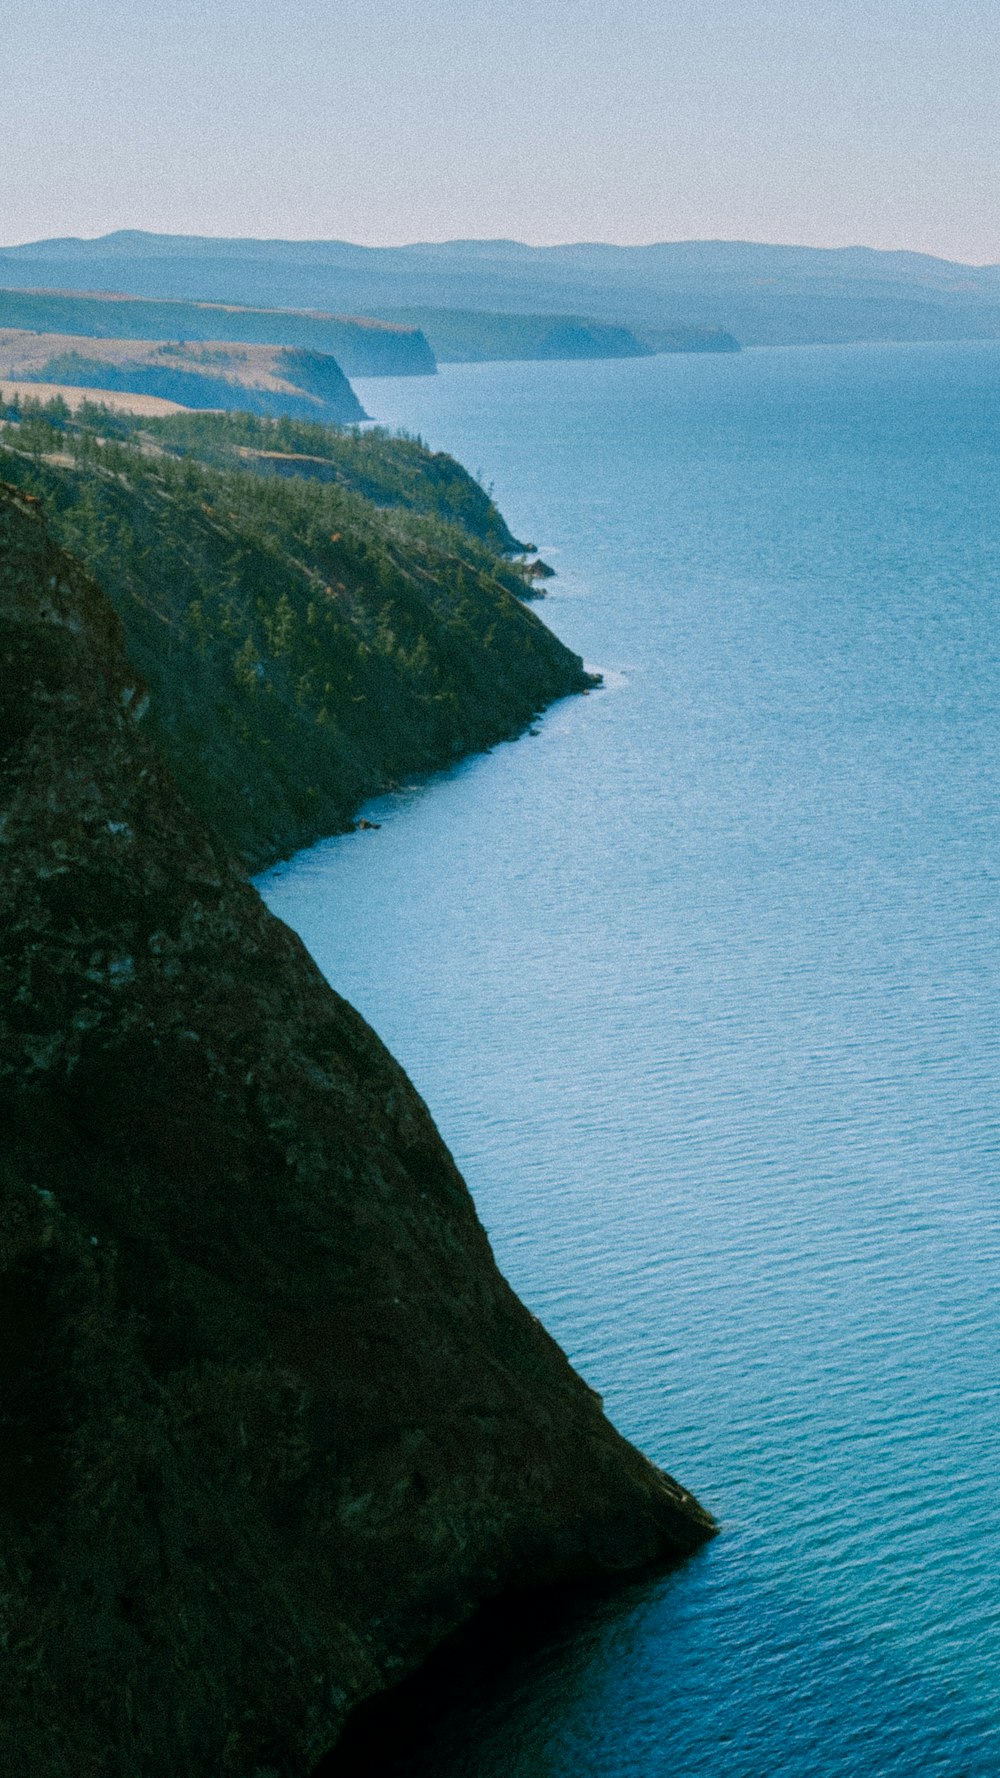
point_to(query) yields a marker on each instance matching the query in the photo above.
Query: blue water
(701, 985)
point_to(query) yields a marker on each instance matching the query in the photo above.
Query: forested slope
(272, 1423)
(304, 647)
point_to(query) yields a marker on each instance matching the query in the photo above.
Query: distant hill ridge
(466, 336)
(761, 293)
(403, 343)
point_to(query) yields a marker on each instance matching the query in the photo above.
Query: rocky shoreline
(274, 1425)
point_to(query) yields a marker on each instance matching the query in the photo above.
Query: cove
(700, 984)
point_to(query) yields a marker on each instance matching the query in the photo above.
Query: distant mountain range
(761, 294)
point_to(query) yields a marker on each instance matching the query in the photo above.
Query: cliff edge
(308, 639)
(272, 1422)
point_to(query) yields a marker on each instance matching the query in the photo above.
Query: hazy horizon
(864, 124)
(847, 246)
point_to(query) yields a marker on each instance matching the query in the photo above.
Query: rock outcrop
(272, 1421)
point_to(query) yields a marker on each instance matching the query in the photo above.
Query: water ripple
(702, 988)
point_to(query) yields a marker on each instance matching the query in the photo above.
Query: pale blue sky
(823, 124)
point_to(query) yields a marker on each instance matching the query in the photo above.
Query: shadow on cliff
(712, 1671)
(505, 1650)
(272, 1423)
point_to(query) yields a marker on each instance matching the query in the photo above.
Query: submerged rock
(273, 1423)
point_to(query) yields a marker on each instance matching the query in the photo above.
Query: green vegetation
(362, 348)
(391, 469)
(303, 646)
(272, 1422)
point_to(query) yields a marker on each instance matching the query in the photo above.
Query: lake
(701, 985)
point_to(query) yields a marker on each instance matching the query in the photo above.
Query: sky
(542, 120)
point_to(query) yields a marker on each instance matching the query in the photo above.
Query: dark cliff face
(306, 644)
(271, 1421)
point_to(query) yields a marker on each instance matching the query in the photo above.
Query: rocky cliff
(306, 643)
(272, 1421)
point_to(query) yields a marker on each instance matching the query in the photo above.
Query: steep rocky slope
(305, 642)
(271, 1422)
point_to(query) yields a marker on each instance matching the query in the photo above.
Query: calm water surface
(701, 985)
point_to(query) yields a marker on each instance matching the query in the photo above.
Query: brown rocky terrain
(271, 1421)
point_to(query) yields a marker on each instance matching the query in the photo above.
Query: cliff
(273, 1423)
(475, 336)
(388, 468)
(306, 641)
(219, 374)
(467, 336)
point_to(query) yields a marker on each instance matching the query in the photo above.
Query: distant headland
(755, 293)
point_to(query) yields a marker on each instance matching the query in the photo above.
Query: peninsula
(318, 613)
(362, 347)
(218, 374)
(273, 1423)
